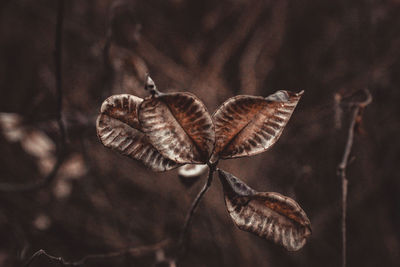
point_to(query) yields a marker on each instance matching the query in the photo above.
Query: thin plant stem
(342, 167)
(5, 187)
(189, 216)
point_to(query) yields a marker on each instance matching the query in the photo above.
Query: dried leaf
(248, 125)
(267, 214)
(179, 126)
(118, 128)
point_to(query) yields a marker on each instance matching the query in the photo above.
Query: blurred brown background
(101, 201)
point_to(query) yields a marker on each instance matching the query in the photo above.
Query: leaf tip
(284, 96)
(233, 185)
(309, 230)
(296, 246)
(279, 96)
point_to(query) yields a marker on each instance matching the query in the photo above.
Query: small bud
(150, 85)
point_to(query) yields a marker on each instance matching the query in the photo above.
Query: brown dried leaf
(267, 214)
(248, 125)
(179, 126)
(118, 128)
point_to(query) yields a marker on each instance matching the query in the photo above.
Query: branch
(58, 65)
(109, 71)
(136, 252)
(195, 203)
(5, 187)
(342, 167)
(257, 59)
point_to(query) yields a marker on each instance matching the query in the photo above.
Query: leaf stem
(189, 216)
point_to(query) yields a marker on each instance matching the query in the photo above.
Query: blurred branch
(211, 72)
(153, 55)
(108, 68)
(136, 252)
(224, 52)
(342, 167)
(258, 57)
(195, 203)
(58, 65)
(5, 187)
(109, 71)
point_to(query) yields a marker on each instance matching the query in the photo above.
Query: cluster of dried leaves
(166, 130)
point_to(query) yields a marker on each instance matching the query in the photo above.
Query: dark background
(101, 201)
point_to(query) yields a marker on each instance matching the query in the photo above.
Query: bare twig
(5, 187)
(358, 107)
(108, 67)
(195, 203)
(58, 66)
(109, 72)
(136, 252)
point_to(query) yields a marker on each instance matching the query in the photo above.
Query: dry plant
(166, 130)
(234, 47)
(356, 119)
